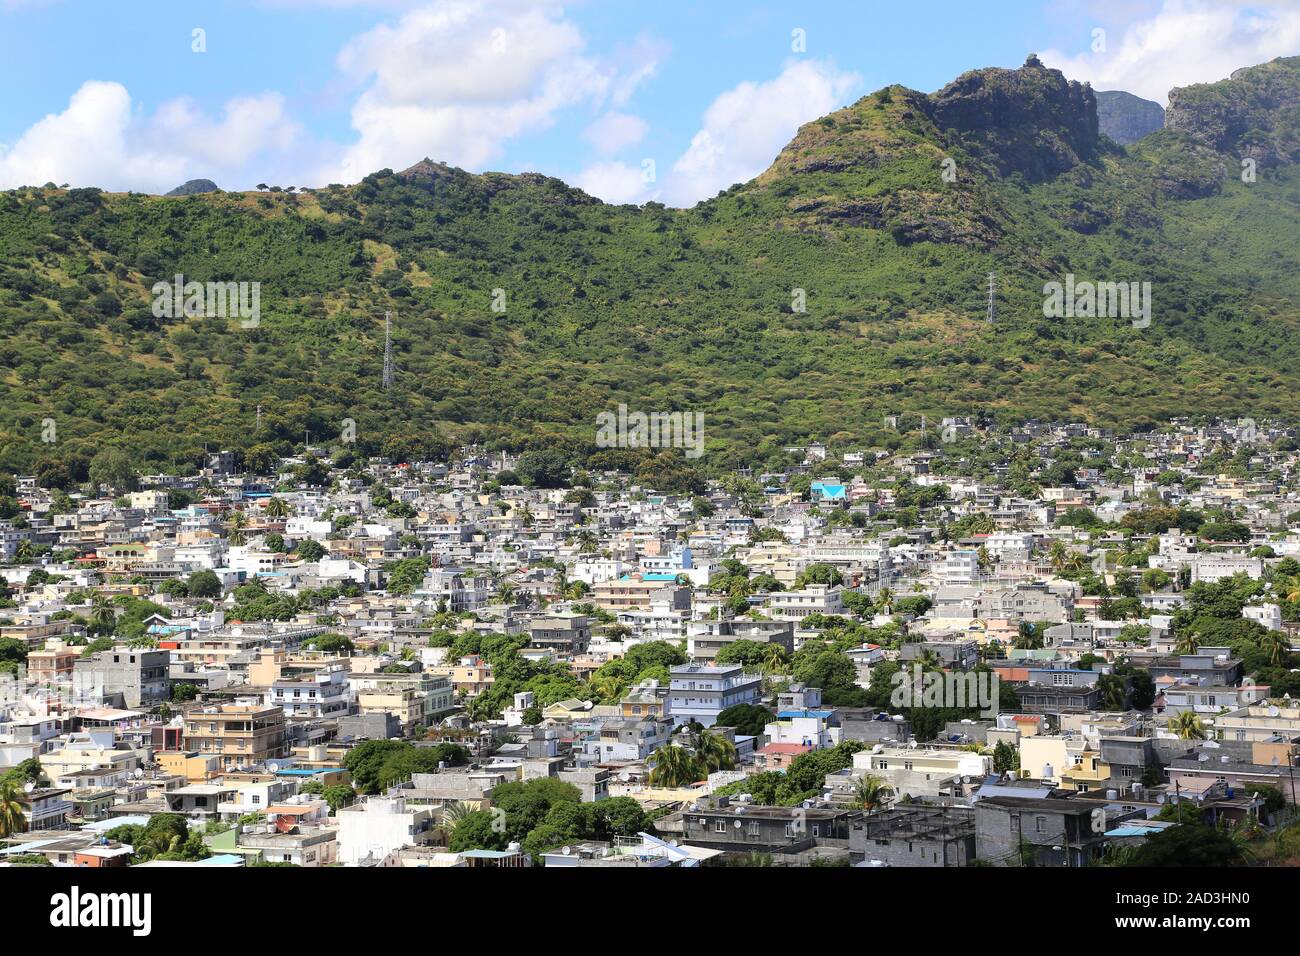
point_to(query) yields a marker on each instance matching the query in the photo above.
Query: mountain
(193, 187)
(845, 283)
(1126, 118)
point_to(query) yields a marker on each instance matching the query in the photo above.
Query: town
(1049, 645)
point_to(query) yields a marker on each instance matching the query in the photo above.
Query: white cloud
(450, 79)
(457, 80)
(745, 127)
(618, 182)
(1185, 42)
(99, 140)
(615, 132)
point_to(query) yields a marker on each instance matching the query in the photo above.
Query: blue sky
(631, 100)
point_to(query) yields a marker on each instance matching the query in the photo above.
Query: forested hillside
(692, 310)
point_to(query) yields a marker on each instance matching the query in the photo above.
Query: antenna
(993, 302)
(388, 351)
(259, 418)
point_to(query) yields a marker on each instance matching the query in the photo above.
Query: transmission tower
(388, 351)
(993, 301)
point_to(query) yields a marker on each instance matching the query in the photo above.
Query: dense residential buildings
(349, 671)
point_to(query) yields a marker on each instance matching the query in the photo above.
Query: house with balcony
(699, 693)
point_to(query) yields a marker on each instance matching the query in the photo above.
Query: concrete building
(129, 676)
(565, 635)
(370, 830)
(242, 735)
(916, 835)
(699, 693)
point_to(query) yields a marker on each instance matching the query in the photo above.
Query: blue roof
(659, 576)
(305, 772)
(823, 714)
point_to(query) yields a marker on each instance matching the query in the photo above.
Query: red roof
(786, 748)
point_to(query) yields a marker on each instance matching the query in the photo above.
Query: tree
(872, 793)
(112, 467)
(277, 508)
(204, 584)
(310, 550)
(12, 819)
(749, 720)
(675, 766)
(1006, 758)
(713, 751)
(1192, 844)
(477, 830)
(338, 796)
(1188, 726)
(543, 469)
(819, 574)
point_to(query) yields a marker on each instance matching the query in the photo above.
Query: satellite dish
(28, 787)
(273, 767)
(137, 773)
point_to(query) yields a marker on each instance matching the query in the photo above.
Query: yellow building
(1089, 773)
(193, 766)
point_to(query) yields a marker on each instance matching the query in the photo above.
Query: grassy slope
(662, 309)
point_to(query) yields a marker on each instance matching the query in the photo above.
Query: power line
(388, 351)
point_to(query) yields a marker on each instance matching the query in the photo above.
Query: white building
(1212, 568)
(817, 599)
(699, 693)
(1269, 615)
(370, 830)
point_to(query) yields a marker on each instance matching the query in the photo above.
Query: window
(720, 826)
(1040, 824)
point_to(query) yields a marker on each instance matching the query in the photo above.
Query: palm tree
(872, 793)
(712, 751)
(277, 508)
(235, 528)
(11, 809)
(1188, 726)
(1276, 646)
(455, 812)
(674, 767)
(608, 686)
(1057, 554)
(773, 659)
(588, 543)
(526, 516)
(24, 553)
(1187, 643)
(102, 614)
